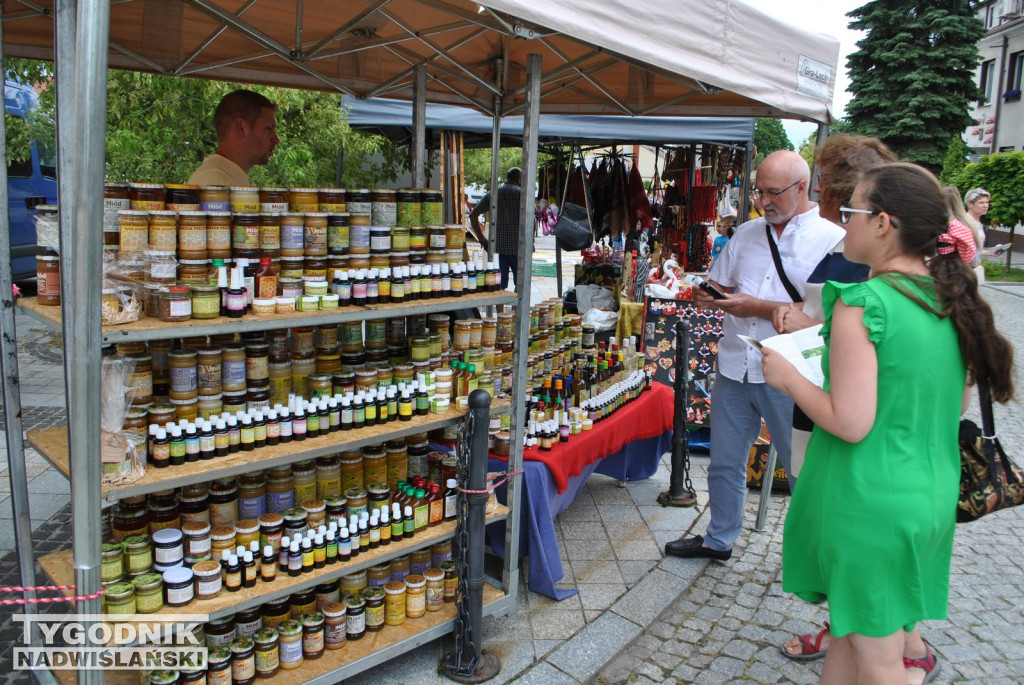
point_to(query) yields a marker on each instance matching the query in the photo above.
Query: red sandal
(810, 647)
(928, 663)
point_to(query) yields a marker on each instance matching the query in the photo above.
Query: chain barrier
(45, 600)
(493, 486)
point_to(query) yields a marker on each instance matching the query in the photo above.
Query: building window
(990, 15)
(988, 73)
(1006, 148)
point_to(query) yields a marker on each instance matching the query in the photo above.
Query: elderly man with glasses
(764, 266)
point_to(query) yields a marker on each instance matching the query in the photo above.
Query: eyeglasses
(757, 193)
(819, 177)
(846, 212)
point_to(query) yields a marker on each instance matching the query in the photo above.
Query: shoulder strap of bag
(988, 431)
(794, 294)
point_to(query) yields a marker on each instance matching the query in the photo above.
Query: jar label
(168, 555)
(337, 239)
(243, 669)
(218, 237)
(214, 206)
(280, 501)
(233, 375)
(316, 238)
(251, 507)
(334, 635)
(383, 213)
(415, 604)
(245, 236)
(355, 623)
(178, 596)
(292, 237)
(359, 236)
(305, 491)
(224, 514)
(257, 368)
(178, 308)
(184, 379)
(313, 642)
(290, 652)
(267, 660)
(270, 237)
(380, 243)
(273, 206)
(198, 546)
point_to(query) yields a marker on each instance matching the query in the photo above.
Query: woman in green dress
(870, 526)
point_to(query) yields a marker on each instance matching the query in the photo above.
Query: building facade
(999, 117)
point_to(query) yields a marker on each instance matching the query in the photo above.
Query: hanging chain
(466, 655)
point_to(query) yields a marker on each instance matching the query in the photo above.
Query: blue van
(29, 183)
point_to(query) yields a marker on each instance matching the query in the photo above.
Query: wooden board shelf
(432, 625)
(59, 568)
(148, 328)
(52, 443)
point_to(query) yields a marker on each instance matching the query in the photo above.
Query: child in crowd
(725, 227)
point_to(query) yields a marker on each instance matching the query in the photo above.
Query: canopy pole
(745, 200)
(492, 213)
(419, 125)
(81, 259)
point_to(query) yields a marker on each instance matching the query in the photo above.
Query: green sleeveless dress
(870, 525)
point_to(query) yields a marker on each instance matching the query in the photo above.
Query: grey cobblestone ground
(727, 627)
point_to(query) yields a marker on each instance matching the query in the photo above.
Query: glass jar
(208, 582)
(303, 200)
(246, 532)
(314, 235)
(294, 522)
(112, 566)
(304, 480)
(355, 614)
(357, 501)
(205, 301)
(394, 603)
(302, 602)
(224, 502)
(451, 580)
(222, 537)
(280, 494)
(243, 199)
(267, 657)
(415, 595)
(163, 231)
(168, 545)
(218, 666)
(400, 567)
(271, 530)
(179, 585)
(313, 641)
(434, 589)
(243, 661)
(276, 612)
(248, 622)
(138, 554)
(420, 560)
(273, 199)
(316, 512)
(290, 644)
(119, 599)
(220, 631)
(176, 303)
(252, 496)
(374, 608)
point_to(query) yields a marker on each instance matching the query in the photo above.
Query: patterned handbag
(989, 481)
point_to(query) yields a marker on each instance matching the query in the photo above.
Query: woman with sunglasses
(870, 528)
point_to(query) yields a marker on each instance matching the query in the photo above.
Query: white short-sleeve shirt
(746, 265)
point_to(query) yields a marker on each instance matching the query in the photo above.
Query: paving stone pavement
(728, 625)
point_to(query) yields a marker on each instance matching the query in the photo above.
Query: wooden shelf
(430, 626)
(60, 569)
(154, 329)
(52, 443)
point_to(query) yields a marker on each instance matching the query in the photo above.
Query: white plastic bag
(588, 296)
(600, 319)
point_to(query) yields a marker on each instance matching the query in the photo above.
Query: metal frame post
(81, 326)
(16, 472)
(419, 125)
(492, 212)
(468, 663)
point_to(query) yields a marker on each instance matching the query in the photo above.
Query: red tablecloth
(645, 417)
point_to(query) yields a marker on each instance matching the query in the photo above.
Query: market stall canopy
(628, 57)
(393, 119)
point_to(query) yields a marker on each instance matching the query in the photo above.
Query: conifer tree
(912, 77)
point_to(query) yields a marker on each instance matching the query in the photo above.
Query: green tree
(956, 158)
(477, 164)
(912, 77)
(1002, 175)
(159, 128)
(769, 136)
(808, 147)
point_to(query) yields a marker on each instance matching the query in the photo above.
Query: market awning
(393, 118)
(627, 57)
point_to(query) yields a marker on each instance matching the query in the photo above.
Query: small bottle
(358, 412)
(233, 575)
(282, 554)
(265, 280)
(294, 559)
(330, 548)
(385, 526)
(408, 523)
(374, 531)
(319, 551)
(382, 407)
(397, 525)
(451, 500)
(249, 573)
(364, 535)
(392, 399)
(299, 424)
(422, 401)
(312, 420)
(397, 286)
(344, 545)
(334, 415)
(161, 455)
(307, 556)
(324, 413)
(268, 565)
(234, 434)
(435, 505)
(405, 407)
(371, 286)
(353, 536)
(370, 411)
(237, 298)
(286, 425)
(207, 443)
(346, 415)
(176, 445)
(247, 435)
(359, 288)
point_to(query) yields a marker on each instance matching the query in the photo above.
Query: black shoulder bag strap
(794, 294)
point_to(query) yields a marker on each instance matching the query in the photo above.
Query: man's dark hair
(514, 173)
(239, 103)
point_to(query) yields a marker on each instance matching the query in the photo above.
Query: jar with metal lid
(280, 492)
(301, 370)
(351, 470)
(434, 589)
(181, 197)
(178, 585)
(224, 502)
(417, 241)
(304, 480)
(379, 495)
(205, 301)
(377, 576)
(357, 501)
(354, 583)
(273, 199)
(112, 565)
(335, 510)
(140, 381)
(328, 476)
(208, 582)
(184, 376)
(400, 567)
(292, 235)
(314, 234)
(418, 451)
(138, 554)
(415, 595)
(119, 599)
(374, 608)
(313, 642)
(451, 580)
(192, 235)
(218, 235)
(218, 666)
(290, 644)
(248, 622)
(163, 231)
(314, 270)
(316, 512)
(271, 530)
(270, 234)
(243, 199)
(175, 304)
(246, 531)
(301, 602)
(129, 523)
(303, 200)
(209, 370)
(268, 661)
(168, 546)
(419, 560)
(233, 368)
(115, 197)
(337, 234)
(222, 537)
(431, 207)
(147, 196)
(233, 402)
(294, 522)
(245, 236)
(134, 230)
(355, 615)
(276, 612)
(394, 603)
(243, 661)
(408, 207)
(220, 631)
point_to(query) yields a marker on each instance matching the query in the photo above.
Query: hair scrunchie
(947, 244)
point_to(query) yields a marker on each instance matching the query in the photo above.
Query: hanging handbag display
(989, 481)
(573, 230)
